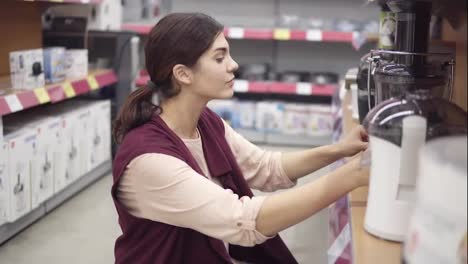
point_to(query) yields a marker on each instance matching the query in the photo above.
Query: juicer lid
(443, 118)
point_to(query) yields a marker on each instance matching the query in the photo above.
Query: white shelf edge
(9, 230)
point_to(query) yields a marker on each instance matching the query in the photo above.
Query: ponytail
(137, 109)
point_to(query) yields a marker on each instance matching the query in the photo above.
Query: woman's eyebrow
(223, 49)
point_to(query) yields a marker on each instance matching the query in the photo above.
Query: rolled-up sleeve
(262, 169)
(166, 189)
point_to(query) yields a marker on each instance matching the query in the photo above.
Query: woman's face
(213, 75)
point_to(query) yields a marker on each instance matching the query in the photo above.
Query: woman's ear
(182, 74)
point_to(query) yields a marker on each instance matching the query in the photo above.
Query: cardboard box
(54, 64)
(21, 148)
(76, 61)
(296, 119)
(4, 184)
(320, 120)
(27, 69)
(270, 117)
(42, 163)
(247, 113)
(225, 110)
(106, 15)
(101, 133)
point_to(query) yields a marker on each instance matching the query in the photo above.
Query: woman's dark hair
(178, 38)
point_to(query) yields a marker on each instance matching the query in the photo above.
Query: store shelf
(282, 34)
(301, 88)
(244, 86)
(10, 229)
(17, 100)
(67, 1)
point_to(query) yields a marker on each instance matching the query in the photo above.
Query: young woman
(182, 176)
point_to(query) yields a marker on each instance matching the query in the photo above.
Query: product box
(21, 148)
(27, 69)
(55, 133)
(320, 120)
(247, 113)
(42, 163)
(101, 133)
(226, 110)
(270, 117)
(296, 119)
(141, 10)
(76, 61)
(85, 126)
(4, 180)
(54, 64)
(67, 167)
(106, 15)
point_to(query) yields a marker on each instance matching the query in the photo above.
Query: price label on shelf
(42, 95)
(282, 34)
(314, 35)
(13, 103)
(241, 86)
(303, 88)
(93, 84)
(236, 33)
(68, 89)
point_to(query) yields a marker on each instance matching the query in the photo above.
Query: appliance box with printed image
(42, 163)
(27, 69)
(54, 64)
(76, 61)
(270, 117)
(4, 183)
(21, 145)
(296, 117)
(107, 15)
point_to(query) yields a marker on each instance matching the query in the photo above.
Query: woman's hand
(359, 171)
(355, 142)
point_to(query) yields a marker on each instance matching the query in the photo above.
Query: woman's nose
(233, 66)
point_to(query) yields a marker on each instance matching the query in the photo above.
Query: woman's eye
(219, 60)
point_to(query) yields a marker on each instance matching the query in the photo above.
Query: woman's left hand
(355, 142)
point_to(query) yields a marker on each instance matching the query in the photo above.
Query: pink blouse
(163, 188)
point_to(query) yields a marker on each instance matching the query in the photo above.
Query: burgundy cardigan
(149, 242)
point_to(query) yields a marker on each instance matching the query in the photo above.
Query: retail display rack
(25, 16)
(281, 34)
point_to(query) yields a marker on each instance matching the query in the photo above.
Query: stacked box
(270, 117)
(54, 64)
(27, 69)
(21, 147)
(296, 119)
(246, 112)
(4, 195)
(320, 121)
(106, 15)
(76, 61)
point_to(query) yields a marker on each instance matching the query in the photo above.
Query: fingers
(363, 133)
